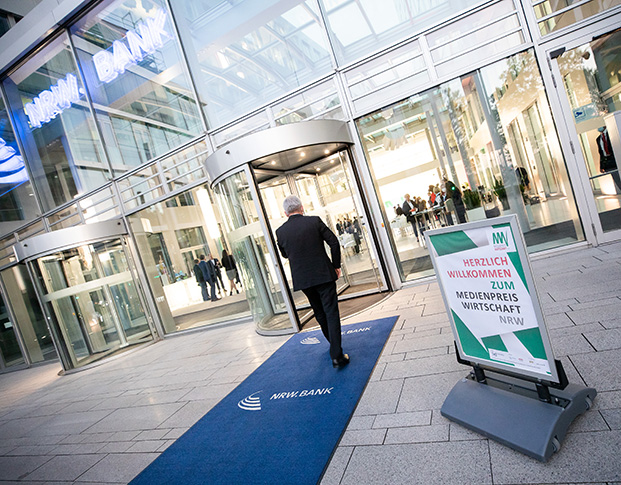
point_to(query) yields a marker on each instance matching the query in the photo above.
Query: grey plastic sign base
(512, 416)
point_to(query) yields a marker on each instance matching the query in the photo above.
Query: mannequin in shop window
(607, 162)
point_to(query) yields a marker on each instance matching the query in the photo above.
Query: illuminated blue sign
(53, 101)
(149, 37)
(12, 167)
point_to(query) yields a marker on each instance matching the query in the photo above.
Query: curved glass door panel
(92, 301)
(10, 352)
(250, 250)
(325, 189)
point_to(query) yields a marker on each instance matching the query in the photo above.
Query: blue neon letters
(108, 64)
(151, 36)
(51, 102)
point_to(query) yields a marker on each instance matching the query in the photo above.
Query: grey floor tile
(584, 457)
(428, 392)
(438, 364)
(432, 463)
(118, 468)
(363, 437)
(361, 422)
(66, 468)
(15, 467)
(336, 468)
(604, 339)
(138, 418)
(612, 417)
(400, 420)
(150, 446)
(601, 370)
(417, 434)
(189, 414)
(380, 397)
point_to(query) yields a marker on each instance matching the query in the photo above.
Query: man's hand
(338, 272)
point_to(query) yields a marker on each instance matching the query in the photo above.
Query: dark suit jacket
(301, 240)
(198, 272)
(406, 208)
(206, 271)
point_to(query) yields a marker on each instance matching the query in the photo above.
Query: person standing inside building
(198, 273)
(453, 192)
(228, 261)
(607, 162)
(409, 207)
(301, 240)
(208, 276)
(216, 268)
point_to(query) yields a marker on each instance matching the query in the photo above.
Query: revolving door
(252, 176)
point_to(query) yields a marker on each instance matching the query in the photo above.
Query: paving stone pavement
(106, 424)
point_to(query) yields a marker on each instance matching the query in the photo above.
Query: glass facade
(245, 53)
(55, 125)
(114, 115)
(138, 83)
(171, 236)
(475, 147)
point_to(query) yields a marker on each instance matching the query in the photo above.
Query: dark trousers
(204, 291)
(324, 302)
(212, 284)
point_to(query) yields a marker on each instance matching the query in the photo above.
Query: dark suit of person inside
(301, 240)
(607, 162)
(209, 276)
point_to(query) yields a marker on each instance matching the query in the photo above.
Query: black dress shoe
(342, 361)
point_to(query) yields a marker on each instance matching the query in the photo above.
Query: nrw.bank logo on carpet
(253, 402)
(310, 341)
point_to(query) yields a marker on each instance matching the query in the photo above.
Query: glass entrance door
(325, 189)
(253, 254)
(592, 84)
(92, 300)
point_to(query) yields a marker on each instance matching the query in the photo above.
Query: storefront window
(17, 201)
(360, 27)
(592, 78)
(10, 353)
(475, 147)
(137, 79)
(555, 15)
(171, 235)
(55, 125)
(244, 54)
(28, 314)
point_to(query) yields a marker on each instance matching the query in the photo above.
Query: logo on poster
(500, 240)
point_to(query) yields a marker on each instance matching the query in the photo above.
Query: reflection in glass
(17, 202)
(138, 82)
(55, 125)
(591, 77)
(268, 50)
(23, 299)
(92, 301)
(10, 353)
(358, 28)
(249, 248)
(569, 12)
(171, 235)
(475, 147)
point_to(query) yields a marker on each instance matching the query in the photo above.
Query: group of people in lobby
(448, 197)
(208, 271)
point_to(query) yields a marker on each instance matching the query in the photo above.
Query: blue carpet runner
(282, 424)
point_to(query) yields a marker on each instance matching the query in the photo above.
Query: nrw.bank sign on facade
(149, 36)
(488, 288)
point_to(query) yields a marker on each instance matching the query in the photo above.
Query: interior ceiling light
(326, 151)
(318, 169)
(273, 162)
(303, 154)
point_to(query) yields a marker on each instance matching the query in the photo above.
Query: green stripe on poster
(469, 343)
(453, 242)
(531, 339)
(494, 342)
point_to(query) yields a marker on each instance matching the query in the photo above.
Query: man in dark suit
(301, 240)
(198, 272)
(208, 276)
